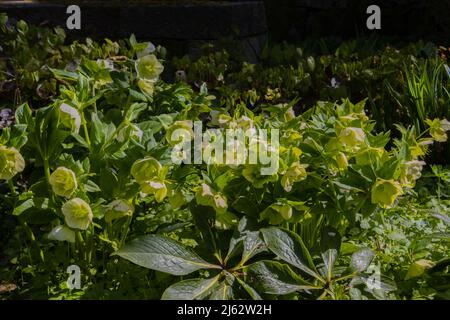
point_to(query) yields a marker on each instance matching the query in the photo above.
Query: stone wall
(407, 19)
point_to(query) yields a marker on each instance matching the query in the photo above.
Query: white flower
(77, 213)
(62, 233)
(63, 182)
(149, 49)
(70, 117)
(118, 209)
(11, 163)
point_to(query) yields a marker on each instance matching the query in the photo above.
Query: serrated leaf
(289, 247)
(192, 289)
(163, 254)
(276, 278)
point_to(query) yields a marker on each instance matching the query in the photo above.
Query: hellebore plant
(93, 169)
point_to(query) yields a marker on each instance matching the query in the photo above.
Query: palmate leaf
(276, 278)
(163, 254)
(192, 289)
(289, 247)
(246, 238)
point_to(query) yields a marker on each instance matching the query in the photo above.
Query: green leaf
(163, 254)
(289, 247)
(272, 277)
(418, 268)
(246, 238)
(24, 116)
(64, 75)
(330, 244)
(223, 292)
(361, 259)
(192, 289)
(91, 186)
(252, 292)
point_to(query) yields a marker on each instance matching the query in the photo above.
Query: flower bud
(148, 49)
(118, 209)
(77, 214)
(342, 161)
(62, 233)
(157, 187)
(63, 182)
(311, 62)
(289, 114)
(206, 196)
(11, 163)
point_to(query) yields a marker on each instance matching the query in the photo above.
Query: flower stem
(86, 132)
(11, 186)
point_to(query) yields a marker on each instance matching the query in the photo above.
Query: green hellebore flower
(145, 169)
(118, 209)
(342, 161)
(244, 123)
(410, 172)
(77, 214)
(147, 87)
(63, 182)
(252, 173)
(146, 51)
(385, 192)
(352, 137)
(277, 213)
(62, 233)
(149, 68)
(289, 114)
(206, 196)
(311, 62)
(11, 163)
(438, 129)
(296, 172)
(284, 210)
(70, 117)
(179, 131)
(156, 187)
(176, 198)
